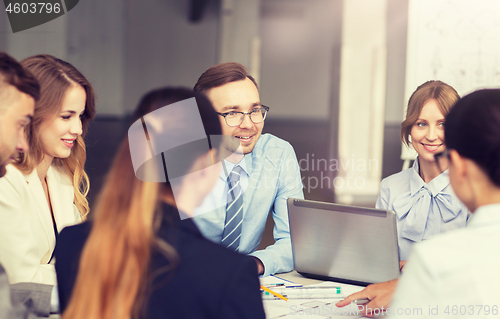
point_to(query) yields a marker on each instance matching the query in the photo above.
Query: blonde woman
(45, 189)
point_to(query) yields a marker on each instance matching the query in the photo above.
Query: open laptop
(347, 244)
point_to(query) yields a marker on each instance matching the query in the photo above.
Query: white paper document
(308, 308)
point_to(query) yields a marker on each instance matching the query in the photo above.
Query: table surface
(309, 308)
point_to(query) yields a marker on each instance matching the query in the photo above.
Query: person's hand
(260, 266)
(402, 264)
(380, 296)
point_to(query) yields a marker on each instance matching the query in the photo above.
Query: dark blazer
(210, 281)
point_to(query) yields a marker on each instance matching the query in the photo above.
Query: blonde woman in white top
(45, 189)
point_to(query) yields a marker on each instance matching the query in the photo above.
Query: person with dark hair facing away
(267, 169)
(457, 273)
(137, 259)
(45, 188)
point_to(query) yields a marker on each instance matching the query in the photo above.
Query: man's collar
(245, 162)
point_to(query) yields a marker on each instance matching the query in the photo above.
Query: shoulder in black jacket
(210, 281)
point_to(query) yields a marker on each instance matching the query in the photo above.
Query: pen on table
(276, 285)
(362, 301)
(287, 283)
(283, 286)
(313, 292)
(273, 293)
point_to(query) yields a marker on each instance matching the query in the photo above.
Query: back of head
(473, 130)
(159, 98)
(445, 95)
(12, 73)
(114, 264)
(122, 168)
(221, 74)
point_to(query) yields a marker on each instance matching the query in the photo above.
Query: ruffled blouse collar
(416, 204)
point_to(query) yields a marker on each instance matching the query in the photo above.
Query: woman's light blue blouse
(422, 209)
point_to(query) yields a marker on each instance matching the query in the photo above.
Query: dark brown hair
(444, 94)
(56, 77)
(12, 73)
(221, 74)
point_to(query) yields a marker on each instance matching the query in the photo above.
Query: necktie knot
(235, 174)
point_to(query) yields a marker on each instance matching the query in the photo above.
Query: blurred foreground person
(137, 259)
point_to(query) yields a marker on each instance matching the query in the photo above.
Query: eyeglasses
(439, 156)
(257, 116)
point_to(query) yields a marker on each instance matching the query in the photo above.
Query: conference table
(305, 308)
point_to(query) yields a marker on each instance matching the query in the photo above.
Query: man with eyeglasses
(256, 180)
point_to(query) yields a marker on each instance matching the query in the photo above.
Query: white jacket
(454, 275)
(27, 236)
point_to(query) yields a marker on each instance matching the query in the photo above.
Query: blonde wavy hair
(56, 77)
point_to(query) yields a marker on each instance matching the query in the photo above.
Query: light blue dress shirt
(423, 210)
(272, 175)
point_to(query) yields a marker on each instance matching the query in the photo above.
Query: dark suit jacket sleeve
(67, 252)
(242, 296)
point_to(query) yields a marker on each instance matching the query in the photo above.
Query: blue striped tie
(234, 211)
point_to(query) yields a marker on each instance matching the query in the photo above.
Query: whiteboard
(455, 41)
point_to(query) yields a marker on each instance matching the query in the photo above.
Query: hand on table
(380, 296)
(260, 266)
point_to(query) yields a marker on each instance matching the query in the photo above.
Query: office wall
(362, 101)
(4, 29)
(239, 34)
(95, 41)
(164, 48)
(47, 38)
(124, 47)
(397, 21)
(297, 47)
(90, 37)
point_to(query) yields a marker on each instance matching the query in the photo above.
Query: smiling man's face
(238, 96)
